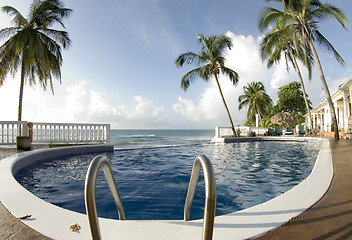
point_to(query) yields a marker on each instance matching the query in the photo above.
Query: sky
(120, 67)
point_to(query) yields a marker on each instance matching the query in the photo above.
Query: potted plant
(23, 142)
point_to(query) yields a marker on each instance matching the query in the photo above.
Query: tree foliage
(32, 46)
(257, 101)
(210, 62)
(291, 100)
(303, 17)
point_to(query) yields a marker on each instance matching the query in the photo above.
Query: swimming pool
(153, 182)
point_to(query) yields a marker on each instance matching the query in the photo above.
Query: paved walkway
(330, 218)
(10, 227)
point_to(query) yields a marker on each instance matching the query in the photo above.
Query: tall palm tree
(211, 62)
(32, 46)
(303, 16)
(257, 101)
(282, 39)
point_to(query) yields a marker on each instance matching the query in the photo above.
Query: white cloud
(188, 109)
(145, 110)
(245, 59)
(75, 102)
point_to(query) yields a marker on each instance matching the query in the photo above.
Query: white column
(346, 110)
(327, 119)
(350, 93)
(337, 113)
(309, 126)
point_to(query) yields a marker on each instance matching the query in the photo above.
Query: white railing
(221, 132)
(9, 130)
(55, 132)
(70, 133)
(259, 130)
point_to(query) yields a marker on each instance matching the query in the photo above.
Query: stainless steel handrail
(210, 194)
(89, 193)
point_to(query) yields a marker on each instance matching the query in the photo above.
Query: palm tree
(257, 101)
(34, 47)
(303, 16)
(211, 62)
(282, 39)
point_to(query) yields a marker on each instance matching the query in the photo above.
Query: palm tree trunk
(326, 89)
(227, 109)
(302, 85)
(21, 95)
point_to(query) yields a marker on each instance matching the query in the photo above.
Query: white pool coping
(55, 222)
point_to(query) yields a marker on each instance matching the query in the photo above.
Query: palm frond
(328, 10)
(59, 36)
(48, 12)
(7, 32)
(189, 77)
(323, 41)
(18, 20)
(231, 74)
(188, 58)
(268, 16)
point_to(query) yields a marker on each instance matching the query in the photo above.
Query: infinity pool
(153, 182)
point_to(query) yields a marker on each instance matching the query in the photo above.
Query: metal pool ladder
(210, 194)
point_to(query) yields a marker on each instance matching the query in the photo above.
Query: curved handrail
(89, 193)
(210, 194)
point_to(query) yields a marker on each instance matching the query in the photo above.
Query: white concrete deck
(55, 222)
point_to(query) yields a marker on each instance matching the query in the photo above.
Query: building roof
(336, 95)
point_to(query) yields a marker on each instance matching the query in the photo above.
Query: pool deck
(329, 218)
(10, 227)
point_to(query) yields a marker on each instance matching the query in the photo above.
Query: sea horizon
(146, 138)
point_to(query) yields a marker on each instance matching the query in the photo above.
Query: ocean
(149, 138)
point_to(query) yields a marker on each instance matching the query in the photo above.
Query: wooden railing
(55, 132)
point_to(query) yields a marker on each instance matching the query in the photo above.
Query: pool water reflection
(153, 182)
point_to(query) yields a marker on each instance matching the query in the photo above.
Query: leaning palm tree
(32, 46)
(282, 40)
(303, 16)
(211, 62)
(257, 101)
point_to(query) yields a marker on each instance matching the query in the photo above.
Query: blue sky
(120, 68)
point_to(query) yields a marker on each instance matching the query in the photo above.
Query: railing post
(107, 134)
(24, 128)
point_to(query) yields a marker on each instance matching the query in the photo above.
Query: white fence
(221, 132)
(9, 130)
(55, 132)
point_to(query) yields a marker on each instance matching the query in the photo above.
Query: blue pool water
(153, 181)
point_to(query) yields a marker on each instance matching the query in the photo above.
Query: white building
(342, 101)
